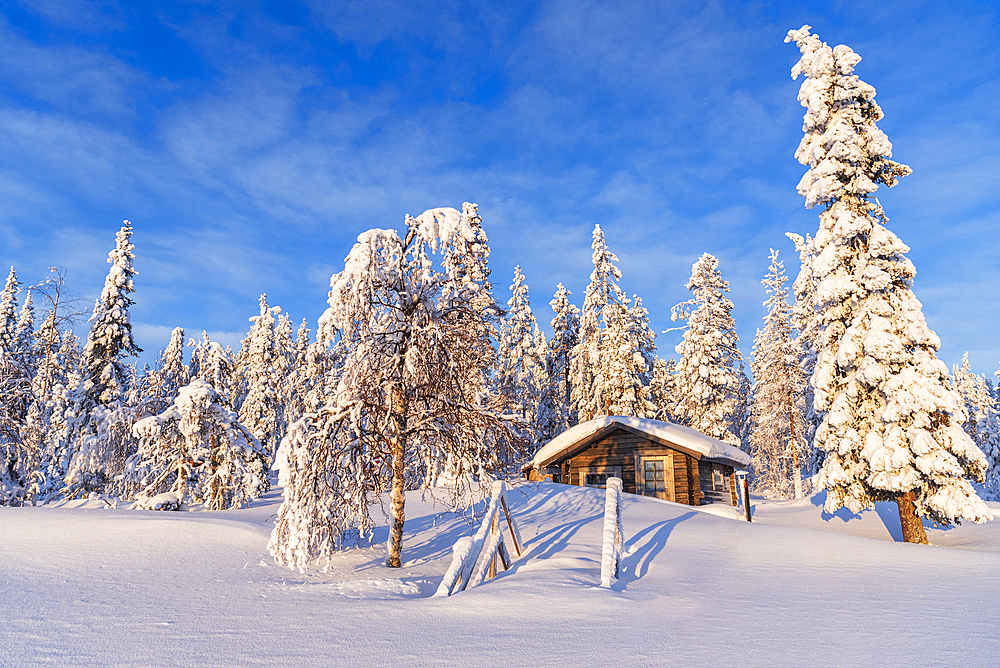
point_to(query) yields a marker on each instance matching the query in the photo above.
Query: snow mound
(164, 501)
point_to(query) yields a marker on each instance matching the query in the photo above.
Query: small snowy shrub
(198, 450)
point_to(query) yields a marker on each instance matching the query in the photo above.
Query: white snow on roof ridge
(709, 447)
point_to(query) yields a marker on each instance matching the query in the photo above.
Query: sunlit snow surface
(90, 586)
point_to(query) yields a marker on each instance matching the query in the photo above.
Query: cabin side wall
(718, 482)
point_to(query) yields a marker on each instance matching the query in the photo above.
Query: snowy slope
(90, 586)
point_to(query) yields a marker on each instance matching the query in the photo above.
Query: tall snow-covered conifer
(891, 428)
(215, 365)
(983, 424)
(97, 453)
(520, 374)
(708, 375)
(259, 364)
(661, 388)
(24, 339)
(110, 336)
(565, 336)
(777, 414)
(610, 365)
(172, 370)
(8, 312)
(627, 359)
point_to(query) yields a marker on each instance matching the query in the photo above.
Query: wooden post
(514, 535)
(492, 573)
(504, 555)
(741, 476)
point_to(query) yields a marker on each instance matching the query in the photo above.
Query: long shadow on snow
(542, 507)
(887, 511)
(637, 564)
(440, 531)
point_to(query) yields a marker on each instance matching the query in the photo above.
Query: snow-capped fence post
(744, 487)
(613, 534)
(475, 558)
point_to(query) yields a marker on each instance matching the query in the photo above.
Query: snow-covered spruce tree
(609, 329)
(18, 459)
(415, 316)
(172, 371)
(298, 380)
(24, 339)
(802, 321)
(286, 359)
(8, 312)
(198, 450)
(156, 388)
(627, 359)
(99, 446)
(15, 388)
(52, 412)
(983, 423)
(565, 336)
(708, 375)
(744, 400)
(520, 372)
(259, 364)
(777, 415)
(892, 428)
(661, 388)
(215, 365)
(586, 354)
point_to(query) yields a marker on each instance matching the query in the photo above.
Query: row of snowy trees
(79, 420)
(601, 359)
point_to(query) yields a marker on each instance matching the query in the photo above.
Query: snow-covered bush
(198, 450)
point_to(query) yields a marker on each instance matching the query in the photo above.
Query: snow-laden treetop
(847, 154)
(688, 438)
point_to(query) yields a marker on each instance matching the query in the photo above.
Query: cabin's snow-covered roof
(709, 447)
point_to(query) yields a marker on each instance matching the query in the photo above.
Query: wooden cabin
(653, 458)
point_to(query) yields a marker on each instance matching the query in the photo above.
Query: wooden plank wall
(620, 448)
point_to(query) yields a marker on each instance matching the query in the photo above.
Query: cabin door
(656, 474)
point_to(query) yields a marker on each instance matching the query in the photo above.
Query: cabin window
(598, 477)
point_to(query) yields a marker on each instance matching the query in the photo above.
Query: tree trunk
(913, 528)
(396, 493)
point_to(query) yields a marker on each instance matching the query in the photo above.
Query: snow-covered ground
(91, 586)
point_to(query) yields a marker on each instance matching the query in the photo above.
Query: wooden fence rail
(475, 558)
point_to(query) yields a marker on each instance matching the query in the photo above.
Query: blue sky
(250, 143)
